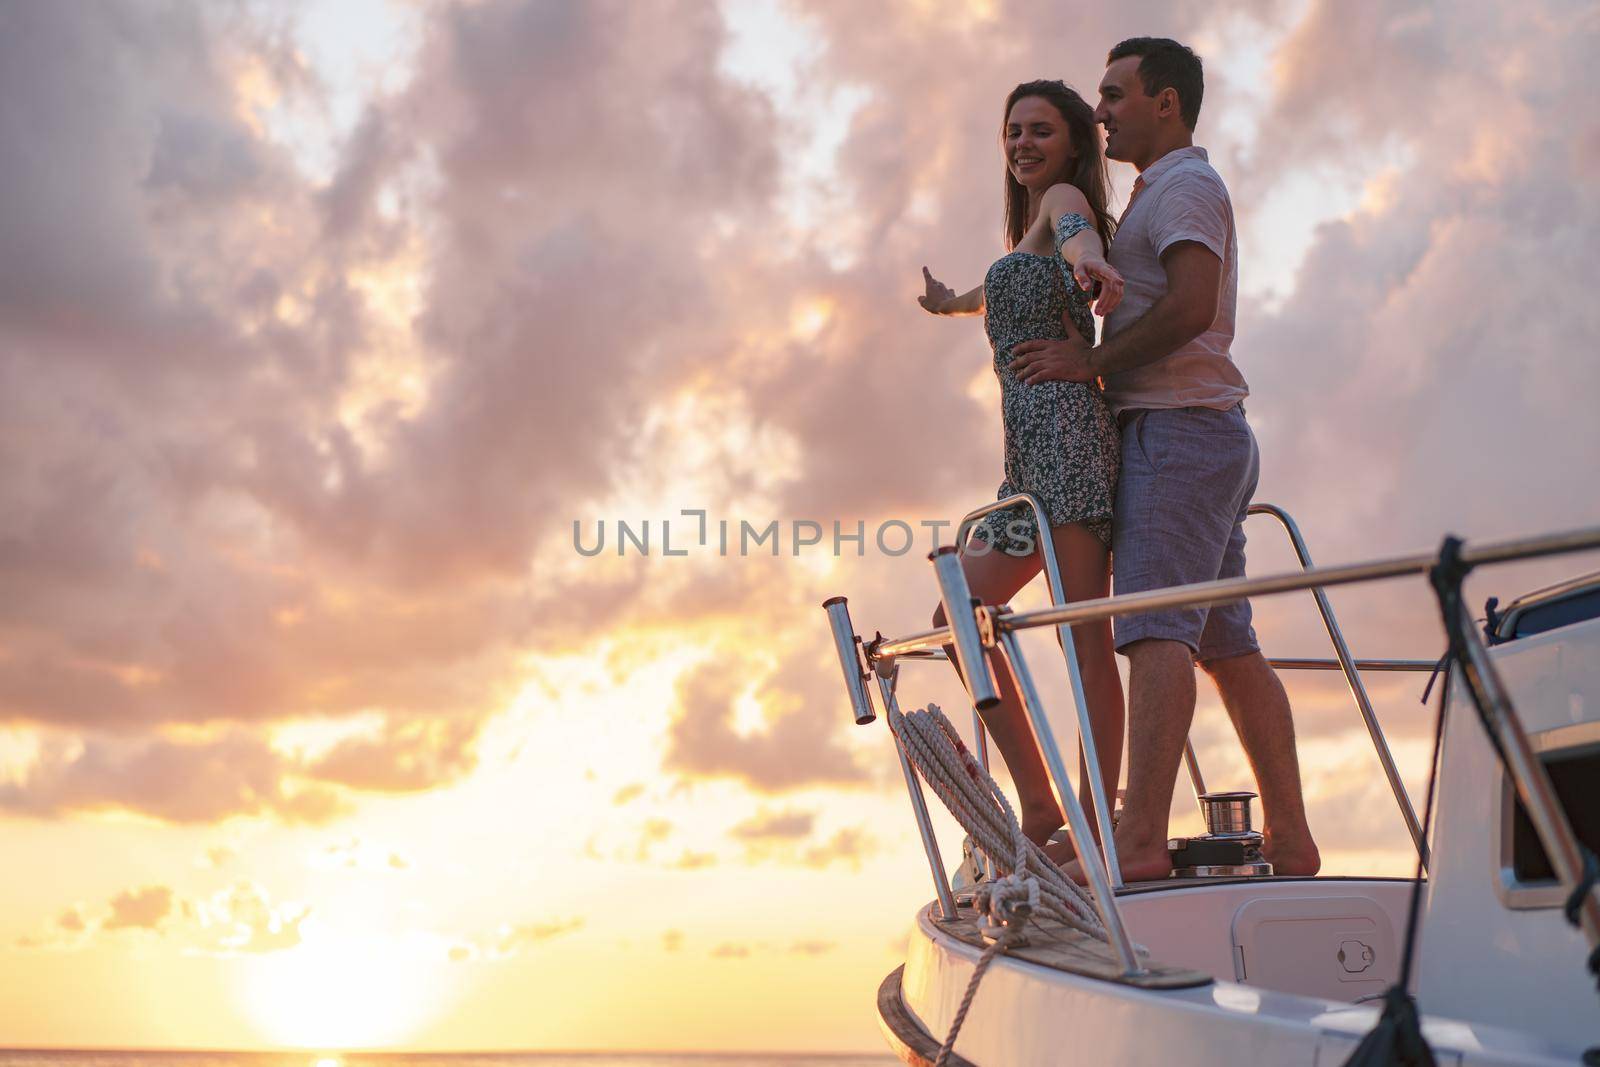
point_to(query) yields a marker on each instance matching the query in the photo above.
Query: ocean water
(104, 1058)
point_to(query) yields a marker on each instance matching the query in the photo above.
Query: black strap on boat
(1446, 577)
(1491, 622)
(1591, 874)
(1491, 636)
(1441, 667)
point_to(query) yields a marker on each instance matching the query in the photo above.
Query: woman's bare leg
(1085, 566)
(994, 578)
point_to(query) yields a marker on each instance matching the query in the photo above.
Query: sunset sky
(322, 324)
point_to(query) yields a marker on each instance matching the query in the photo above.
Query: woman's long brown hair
(1087, 170)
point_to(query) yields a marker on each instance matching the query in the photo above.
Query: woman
(1061, 442)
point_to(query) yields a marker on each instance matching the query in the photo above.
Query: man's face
(1128, 115)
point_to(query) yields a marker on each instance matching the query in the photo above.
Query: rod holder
(851, 662)
(956, 596)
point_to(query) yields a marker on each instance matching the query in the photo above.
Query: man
(1189, 459)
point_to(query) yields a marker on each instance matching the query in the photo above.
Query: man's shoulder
(1192, 173)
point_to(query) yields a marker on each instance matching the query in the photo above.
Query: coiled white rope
(980, 806)
(1031, 883)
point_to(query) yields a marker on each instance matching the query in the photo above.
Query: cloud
(691, 860)
(813, 948)
(512, 939)
(192, 369)
(71, 929)
(628, 793)
(850, 845)
(796, 748)
(244, 919)
(775, 825)
(179, 781)
(139, 909)
(237, 772)
(730, 950)
(355, 853)
(780, 835)
(651, 833)
(283, 450)
(217, 856)
(672, 940)
(407, 756)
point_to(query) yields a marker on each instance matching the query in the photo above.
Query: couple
(1155, 470)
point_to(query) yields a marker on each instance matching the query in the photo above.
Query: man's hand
(1052, 361)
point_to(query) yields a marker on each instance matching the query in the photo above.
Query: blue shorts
(1187, 478)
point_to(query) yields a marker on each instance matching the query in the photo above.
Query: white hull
(1500, 978)
(1028, 1014)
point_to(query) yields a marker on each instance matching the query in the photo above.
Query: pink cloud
(139, 909)
(797, 748)
(192, 532)
(780, 825)
(176, 781)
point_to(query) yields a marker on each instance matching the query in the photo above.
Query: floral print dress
(1061, 442)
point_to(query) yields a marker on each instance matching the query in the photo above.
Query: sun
(340, 992)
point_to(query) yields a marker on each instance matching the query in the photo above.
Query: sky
(332, 335)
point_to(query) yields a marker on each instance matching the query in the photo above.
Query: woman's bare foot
(1059, 849)
(1293, 856)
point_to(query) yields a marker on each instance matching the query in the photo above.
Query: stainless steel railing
(996, 629)
(1343, 662)
(1225, 590)
(1352, 677)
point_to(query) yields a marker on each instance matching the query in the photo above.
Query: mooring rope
(1031, 883)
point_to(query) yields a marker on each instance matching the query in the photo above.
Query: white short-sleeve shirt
(1180, 197)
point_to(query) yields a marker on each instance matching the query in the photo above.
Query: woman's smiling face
(1037, 142)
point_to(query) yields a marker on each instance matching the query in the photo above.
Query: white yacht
(1494, 950)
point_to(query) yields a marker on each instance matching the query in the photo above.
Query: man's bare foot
(1295, 857)
(1140, 862)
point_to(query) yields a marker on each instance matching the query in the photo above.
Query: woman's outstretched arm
(1084, 251)
(940, 299)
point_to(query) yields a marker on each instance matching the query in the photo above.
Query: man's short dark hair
(1166, 64)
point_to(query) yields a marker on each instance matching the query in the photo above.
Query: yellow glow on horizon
(340, 992)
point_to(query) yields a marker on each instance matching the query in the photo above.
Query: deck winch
(1230, 848)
